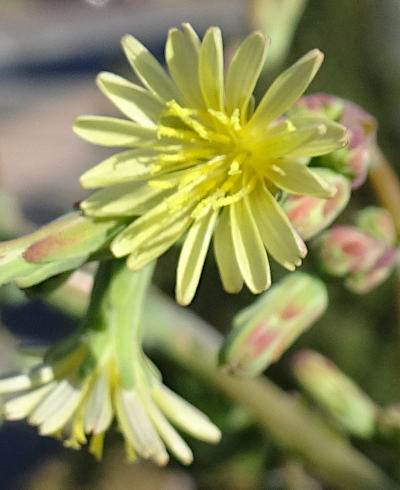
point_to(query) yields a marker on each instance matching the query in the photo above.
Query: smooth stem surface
(190, 341)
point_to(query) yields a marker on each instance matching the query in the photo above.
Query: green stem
(190, 341)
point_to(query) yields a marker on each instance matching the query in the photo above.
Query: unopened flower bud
(320, 104)
(354, 161)
(335, 393)
(345, 250)
(310, 215)
(365, 281)
(264, 330)
(378, 223)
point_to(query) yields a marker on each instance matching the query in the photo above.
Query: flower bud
(347, 250)
(335, 393)
(354, 161)
(365, 281)
(264, 330)
(378, 223)
(310, 215)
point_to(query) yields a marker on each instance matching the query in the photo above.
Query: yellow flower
(66, 399)
(204, 160)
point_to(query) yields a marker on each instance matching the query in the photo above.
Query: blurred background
(50, 52)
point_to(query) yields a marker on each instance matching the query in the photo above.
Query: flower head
(203, 159)
(100, 374)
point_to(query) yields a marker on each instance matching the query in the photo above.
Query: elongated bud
(335, 392)
(60, 246)
(365, 281)
(264, 330)
(310, 215)
(345, 250)
(354, 161)
(378, 223)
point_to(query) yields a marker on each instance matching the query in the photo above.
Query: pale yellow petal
(135, 102)
(184, 415)
(334, 137)
(137, 427)
(149, 70)
(122, 167)
(156, 246)
(243, 72)
(182, 57)
(21, 406)
(211, 69)
(279, 237)
(130, 199)
(98, 412)
(249, 248)
(111, 131)
(228, 267)
(146, 227)
(192, 257)
(296, 178)
(287, 88)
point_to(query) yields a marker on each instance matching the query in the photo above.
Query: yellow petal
(192, 257)
(211, 69)
(182, 57)
(149, 70)
(156, 246)
(184, 415)
(249, 248)
(334, 137)
(98, 412)
(21, 406)
(243, 72)
(287, 88)
(135, 102)
(146, 227)
(122, 167)
(279, 237)
(296, 178)
(130, 199)
(225, 254)
(111, 131)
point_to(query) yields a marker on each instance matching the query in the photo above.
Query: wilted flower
(101, 373)
(309, 215)
(335, 393)
(264, 330)
(204, 159)
(355, 160)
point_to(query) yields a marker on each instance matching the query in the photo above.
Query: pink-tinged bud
(378, 223)
(363, 282)
(264, 330)
(345, 250)
(319, 104)
(310, 215)
(354, 161)
(336, 393)
(362, 127)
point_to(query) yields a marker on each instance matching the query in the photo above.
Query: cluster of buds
(264, 330)
(355, 160)
(101, 373)
(364, 254)
(335, 393)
